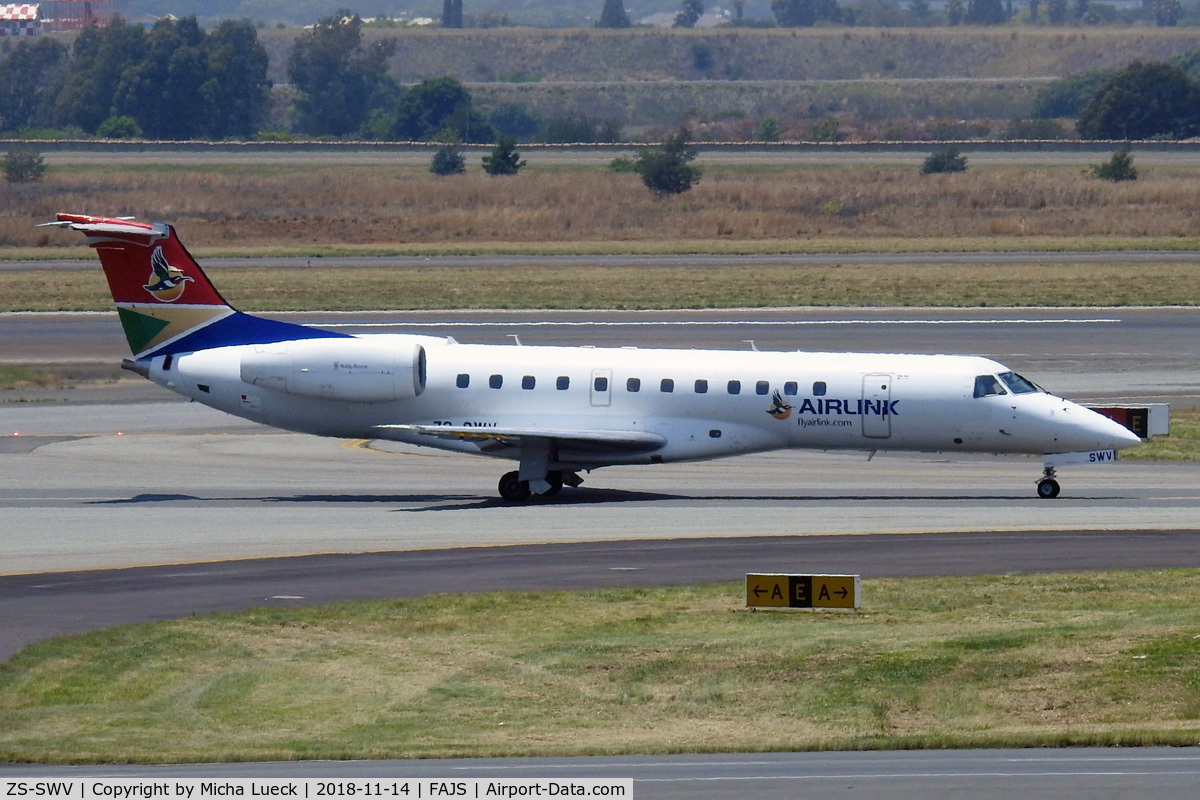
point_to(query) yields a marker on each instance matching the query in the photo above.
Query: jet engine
(350, 369)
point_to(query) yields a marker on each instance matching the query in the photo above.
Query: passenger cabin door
(877, 397)
(601, 388)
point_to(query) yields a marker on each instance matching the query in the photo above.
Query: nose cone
(1087, 430)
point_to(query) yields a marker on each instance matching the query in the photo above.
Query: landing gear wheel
(555, 479)
(512, 489)
(1047, 488)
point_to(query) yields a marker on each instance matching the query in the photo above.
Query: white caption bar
(310, 788)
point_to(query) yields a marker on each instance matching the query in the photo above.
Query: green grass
(434, 287)
(1022, 660)
(831, 245)
(25, 378)
(1183, 444)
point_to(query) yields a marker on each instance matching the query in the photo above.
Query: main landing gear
(1047, 487)
(514, 490)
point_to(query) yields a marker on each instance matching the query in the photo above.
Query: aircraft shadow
(574, 497)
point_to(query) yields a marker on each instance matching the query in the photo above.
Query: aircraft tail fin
(165, 301)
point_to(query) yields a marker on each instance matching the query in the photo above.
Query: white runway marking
(714, 323)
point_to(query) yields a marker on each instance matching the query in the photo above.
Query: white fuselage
(702, 403)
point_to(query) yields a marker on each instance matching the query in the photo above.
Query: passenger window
(633, 385)
(819, 389)
(762, 387)
(563, 383)
(464, 380)
(601, 383)
(496, 381)
(735, 387)
(987, 385)
(790, 388)
(701, 386)
(528, 382)
(1016, 384)
(667, 385)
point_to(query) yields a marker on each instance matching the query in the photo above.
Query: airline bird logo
(779, 409)
(166, 283)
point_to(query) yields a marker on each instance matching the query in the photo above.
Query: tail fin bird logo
(166, 283)
(779, 409)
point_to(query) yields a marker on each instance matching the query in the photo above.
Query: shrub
(669, 170)
(504, 160)
(448, 161)
(1034, 129)
(622, 164)
(1118, 168)
(23, 166)
(946, 159)
(767, 130)
(119, 128)
(826, 129)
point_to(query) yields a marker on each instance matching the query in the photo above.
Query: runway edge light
(774, 590)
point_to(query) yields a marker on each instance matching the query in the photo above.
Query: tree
(29, 79)
(613, 15)
(437, 107)
(339, 80)
(237, 91)
(119, 128)
(504, 160)
(1056, 11)
(23, 166)
(669, 170)
(160, 88)
(1034, 8)
(100, 57)
(826, 129)
(448, 160)
(804, 13)
(1118, 168)
(689, 14)
(1167, 13)
(1143, 100)
(452, 14)
(986, 12)
(767, 130)
(946, 159)
(955, 11)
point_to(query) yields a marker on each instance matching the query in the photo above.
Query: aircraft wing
(600, 441)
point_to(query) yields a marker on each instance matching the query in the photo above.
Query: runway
(122, 504)
(1076, 774)
(1139, 354)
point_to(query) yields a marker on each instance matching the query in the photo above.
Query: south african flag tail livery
(560, 411)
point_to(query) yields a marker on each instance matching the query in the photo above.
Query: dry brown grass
(228, 206)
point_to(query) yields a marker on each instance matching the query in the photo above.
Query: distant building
(20, 19)
(71, 15)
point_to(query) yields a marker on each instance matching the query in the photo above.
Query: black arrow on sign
(842, 592)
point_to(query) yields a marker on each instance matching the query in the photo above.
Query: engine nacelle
(356, 370)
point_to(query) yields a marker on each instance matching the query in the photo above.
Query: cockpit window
(988, 385)
(1018, 385)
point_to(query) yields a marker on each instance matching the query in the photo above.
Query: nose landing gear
(1047, 487)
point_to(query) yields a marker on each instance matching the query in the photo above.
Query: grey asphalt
(40, 605)
(1068, 774)
(1117, 353)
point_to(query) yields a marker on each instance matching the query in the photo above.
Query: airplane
(559, 411)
